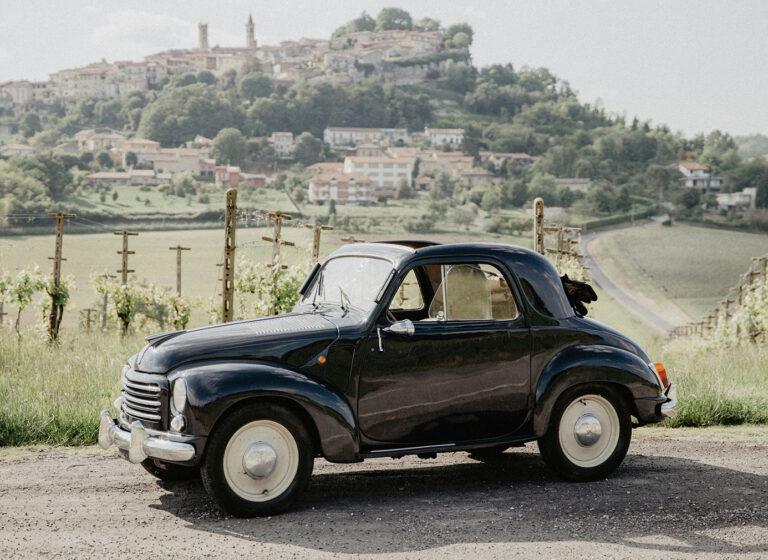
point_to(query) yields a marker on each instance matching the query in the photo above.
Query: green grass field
(692, 267)
(153, 261)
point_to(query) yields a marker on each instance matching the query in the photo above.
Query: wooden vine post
(228, 272)
(104, 301)
(538, 225)
(277, 241)
(178, 250)
(2, 313)
(318, 229)
(125, 252)
(57, 310)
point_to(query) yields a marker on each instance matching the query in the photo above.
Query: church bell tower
(250, 40)
(202, 36)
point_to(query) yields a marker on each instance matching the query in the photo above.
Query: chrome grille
(141, 400)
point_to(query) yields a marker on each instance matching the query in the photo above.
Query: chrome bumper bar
(141, 443)
(669, 408)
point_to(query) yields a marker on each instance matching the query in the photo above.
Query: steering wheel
(391, 316)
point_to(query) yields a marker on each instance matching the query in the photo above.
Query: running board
(440, 448)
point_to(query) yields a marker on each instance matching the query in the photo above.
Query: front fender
(213, 388)
(600, 364)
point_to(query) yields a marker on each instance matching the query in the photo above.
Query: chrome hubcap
(259, 460)
(587, 430)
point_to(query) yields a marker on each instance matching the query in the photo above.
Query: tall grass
(53, 394)
(718, 385)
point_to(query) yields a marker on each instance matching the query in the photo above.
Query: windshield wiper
(342, 297)
(317, 291)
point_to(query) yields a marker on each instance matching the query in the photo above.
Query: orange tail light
(662, 373)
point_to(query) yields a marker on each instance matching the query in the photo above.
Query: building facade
(345, 188)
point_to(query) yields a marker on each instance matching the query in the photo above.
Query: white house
(16, 150)
(345, 188)
(282, 142)
(454, 137)
(341, 136)
(743, 200)
(574, 184)
(696, 175)
(384, 172)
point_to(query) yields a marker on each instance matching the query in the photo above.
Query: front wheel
(258, 462)
(588, 434)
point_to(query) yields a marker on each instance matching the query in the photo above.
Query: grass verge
(53, 395)
(725, 386)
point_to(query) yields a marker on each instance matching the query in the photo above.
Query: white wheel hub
(261, 460)
(589, 431)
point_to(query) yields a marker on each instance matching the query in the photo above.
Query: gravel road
(686, 498)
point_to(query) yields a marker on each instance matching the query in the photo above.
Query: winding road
(617, 292)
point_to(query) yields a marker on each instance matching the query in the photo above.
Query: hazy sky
(695, 65)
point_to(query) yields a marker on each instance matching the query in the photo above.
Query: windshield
(349, 281)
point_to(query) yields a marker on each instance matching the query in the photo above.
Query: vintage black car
(394, 348)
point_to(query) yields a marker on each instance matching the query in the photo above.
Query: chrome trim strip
(140, 442)
(138, 386)
(138, 414)
(669, 408)
(136, 400)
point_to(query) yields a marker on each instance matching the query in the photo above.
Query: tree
(30, 124)
(491, 201)
(403, 191)
(456, 28)
(179, 113)
(332, 207)
(460, 40)
(131, 159)
(656, 178)
(206, 77)
(460, 76)
(393, 18)
(104, 159)
(254, 85)
(307, 149)
(229, 147)
(427, 24)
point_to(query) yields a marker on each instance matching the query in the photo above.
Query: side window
(472, 292)
(408, 296)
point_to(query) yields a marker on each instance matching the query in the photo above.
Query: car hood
(291, 339)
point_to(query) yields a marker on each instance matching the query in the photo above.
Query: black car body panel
(451, 385)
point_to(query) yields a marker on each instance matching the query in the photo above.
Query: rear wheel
(258, 462)
(169, 471)
(588, 434)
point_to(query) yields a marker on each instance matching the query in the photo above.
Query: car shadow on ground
(663, 504)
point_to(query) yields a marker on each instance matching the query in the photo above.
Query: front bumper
(142, 443)
(669, 408)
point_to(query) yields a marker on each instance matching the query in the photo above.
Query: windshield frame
(309, 297)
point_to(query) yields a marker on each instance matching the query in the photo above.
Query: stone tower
(202, 36)
(250, 40)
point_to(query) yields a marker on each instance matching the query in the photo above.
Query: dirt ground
(680, 496)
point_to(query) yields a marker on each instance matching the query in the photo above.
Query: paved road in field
(616, 292)
(672, 498)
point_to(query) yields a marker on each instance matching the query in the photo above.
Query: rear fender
(214, 388)
(577, 365)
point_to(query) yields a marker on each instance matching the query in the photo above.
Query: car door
(463, 374)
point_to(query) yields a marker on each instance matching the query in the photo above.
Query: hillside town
(400, 56)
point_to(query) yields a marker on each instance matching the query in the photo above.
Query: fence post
(54, 318)
(318, 229)
(178, 250)
(125, 252)
(228, 274)
(538, 225)
(277, 241)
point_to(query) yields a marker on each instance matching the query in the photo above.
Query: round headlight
(179, 394)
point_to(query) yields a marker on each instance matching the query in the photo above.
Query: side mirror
(404, 328)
